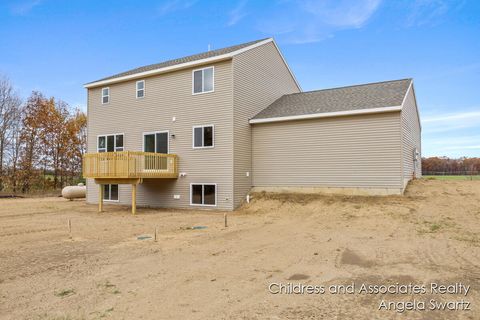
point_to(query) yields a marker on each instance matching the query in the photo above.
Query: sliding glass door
(156, 142)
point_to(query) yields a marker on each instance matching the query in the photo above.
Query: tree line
(42, 141)
(448, 166)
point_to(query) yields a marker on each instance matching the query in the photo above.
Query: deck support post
(134, 198)
(100, 197)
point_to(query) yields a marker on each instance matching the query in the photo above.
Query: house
(203, 130)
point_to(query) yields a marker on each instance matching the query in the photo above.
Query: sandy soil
(105, 272)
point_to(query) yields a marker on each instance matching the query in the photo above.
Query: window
(110, 192)
(155, 142)
(140, 89)
(203, 137)
(203, 194)
(105, 95)
(203, 80)
(110, 143)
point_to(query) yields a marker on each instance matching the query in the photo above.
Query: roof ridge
(152, 66)
(349, 86)
(248, 43)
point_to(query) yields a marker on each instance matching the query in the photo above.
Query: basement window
(203, 194)
(105, 95)
(203, 137)
(110, 192)
(203, 80)
(140, 89)
(110, 143)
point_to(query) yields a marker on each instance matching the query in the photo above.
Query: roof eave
(190, 64)
(326, 114)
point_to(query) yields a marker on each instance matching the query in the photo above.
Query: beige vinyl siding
(350, 152)
(260, 76)
(166, 96)
(411, 137)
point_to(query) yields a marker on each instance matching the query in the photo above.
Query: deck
(130, 165)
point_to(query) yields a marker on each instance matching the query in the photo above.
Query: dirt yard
(105, 271)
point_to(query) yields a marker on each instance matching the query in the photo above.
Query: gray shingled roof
(199, 56)
(364, 96)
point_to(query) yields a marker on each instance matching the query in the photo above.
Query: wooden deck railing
(130, 164)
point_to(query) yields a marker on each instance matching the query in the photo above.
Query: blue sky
(56, 46)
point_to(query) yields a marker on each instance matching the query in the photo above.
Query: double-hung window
(203, 137)
(110, 143)
(140, 89)
(110, 192)
(203, 80)
(203, 194)
(105, 95)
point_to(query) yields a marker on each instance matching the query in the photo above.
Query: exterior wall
(360, 151)
(166, 96)
(411, 138)
(260, 76)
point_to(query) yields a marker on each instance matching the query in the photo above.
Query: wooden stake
(225, 218)
(134, 198)
(70, 228)
(100, 198)
(155, 238)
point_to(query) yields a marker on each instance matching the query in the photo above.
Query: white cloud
(451, 121)
(451, 134)
(430, 12)
(237, 14)
(453, 116)
(24, 7)
(342, 13)
(175, 5)
(461, 147)
(312, 21)
(453, 140)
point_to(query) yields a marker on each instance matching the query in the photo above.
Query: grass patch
(107, 285)
(65, 293)
(102, 315)
(452, 178)
(56, 317)
(434, 226)
(469, 237)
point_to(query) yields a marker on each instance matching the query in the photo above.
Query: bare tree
(9, 110)
(14, 149)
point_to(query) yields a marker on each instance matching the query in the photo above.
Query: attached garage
(358, 140)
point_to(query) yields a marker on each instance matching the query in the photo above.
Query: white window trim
(203, 194)
(203, 81)
(154, 133)
(109, 200)
(137, 90)
(114, 141)
(108, 95)
(213, 136)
